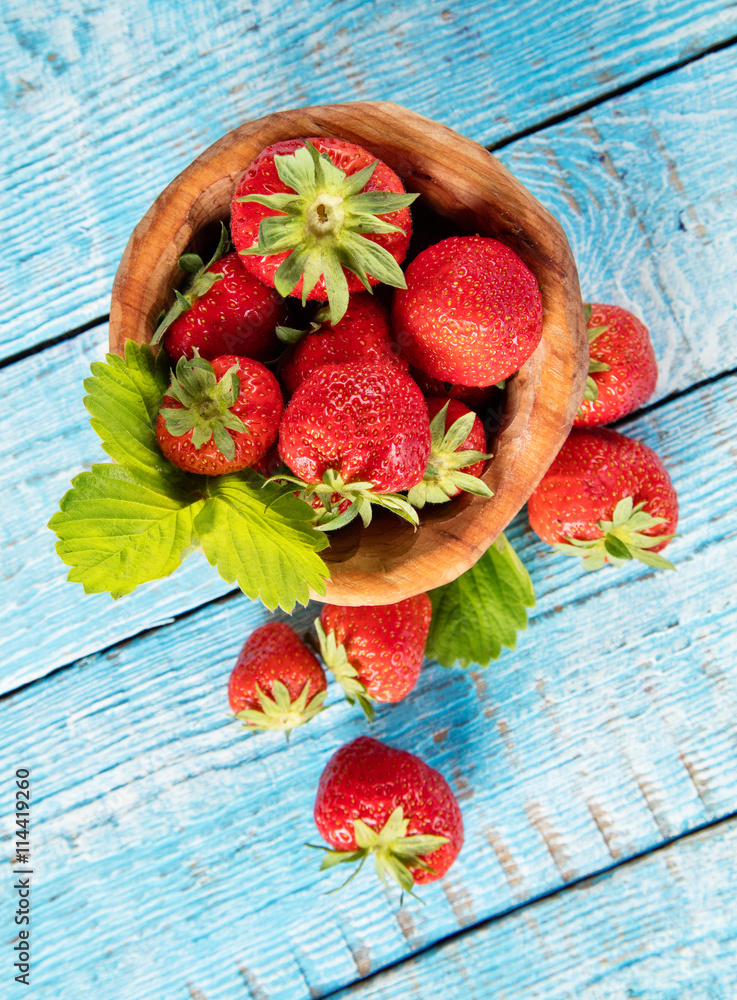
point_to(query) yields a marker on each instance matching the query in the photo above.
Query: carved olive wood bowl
(465, 185)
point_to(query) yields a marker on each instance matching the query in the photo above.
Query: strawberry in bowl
(320, 218)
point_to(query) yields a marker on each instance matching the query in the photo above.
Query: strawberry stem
(394, 851)
(322, 222)
(622, 539)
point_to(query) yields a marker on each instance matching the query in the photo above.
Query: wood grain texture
(610, 729)
(651, 219)
(104, 105)
(617, 259)
(462, 184)
(660, 928)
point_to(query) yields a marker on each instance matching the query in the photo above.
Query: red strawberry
(475, 397)
(363, 333)
(235, 315)
(623, 370)
(457, 454)
(375, 653)
(471, 313)
(277, 683)
(219, 416)
(360, 430)
(606, 498)
(374, 799)
(320, 218)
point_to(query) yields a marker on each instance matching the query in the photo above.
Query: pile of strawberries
(368, 419)
(381, 410)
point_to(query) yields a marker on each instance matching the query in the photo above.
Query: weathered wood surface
(662, 926)
(623, 246)
(162, 834)
(103, 106)
(609, 730)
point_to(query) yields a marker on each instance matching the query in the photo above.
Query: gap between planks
(576, 883)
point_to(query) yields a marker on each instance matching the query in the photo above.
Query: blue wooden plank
(93, 132)
(609, 730)
(623, 248)
(661, 928)
(649, 213)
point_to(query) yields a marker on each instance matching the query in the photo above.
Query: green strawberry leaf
(119, 527)
(125, 524)
(481, 611)
(264, 544)
(123, 399)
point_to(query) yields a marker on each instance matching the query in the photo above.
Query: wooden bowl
(462, 182)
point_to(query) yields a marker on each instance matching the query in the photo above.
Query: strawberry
(475, 397)
(471, 313)
(622, 370)
(606, 498)
(360, 430)
(219, 416)
(277, 683)
(457, 454)
(376, 800)
(375, 653)
(362, 333)
(320, 218)
(235, 315)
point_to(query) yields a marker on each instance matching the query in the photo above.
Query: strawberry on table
(375, 800)
(219, 416)
(320, 218)
(623, 370)
(606, 498)
(471, 312)
(457, 454)
(375, 653)
(362, 333)
(359, 430)
(277, 683)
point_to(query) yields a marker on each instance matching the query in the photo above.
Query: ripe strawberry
(375, 653)
(235, 315)
(219, 416)
(606, 498)
(361, 430)
(471, 313)
(363, 333)
(320, 218)
(457, 454)
(475, 397)
(376, 800)
(623, 370)
(277, 683)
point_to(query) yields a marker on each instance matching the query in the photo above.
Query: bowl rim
(389, 561)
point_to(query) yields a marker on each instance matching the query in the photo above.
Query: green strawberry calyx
(335, 658)
(279, 711)
(622, 539)
(394, 851)
(444, 476)
(323, 220)
(206, 402)
(591, 393)
(361, 495)
(200, 283)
